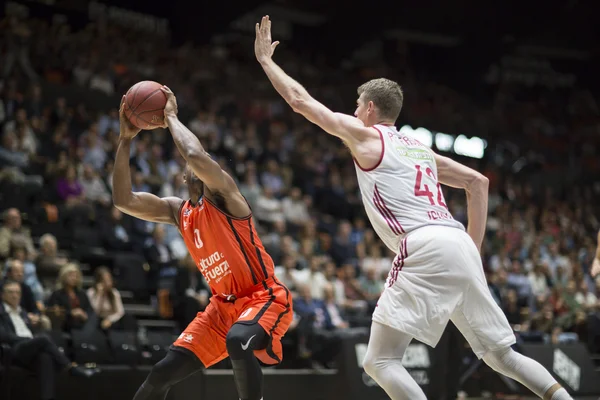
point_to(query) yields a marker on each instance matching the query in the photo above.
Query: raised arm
(346, 127)
(454, 174)
(142, 205)
(188, 144)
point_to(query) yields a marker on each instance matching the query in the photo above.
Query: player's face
(362, 110)
(191, 180)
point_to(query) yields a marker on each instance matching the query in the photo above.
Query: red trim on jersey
(380, 157)
(398, 263)
(385, 215)
(391, 217)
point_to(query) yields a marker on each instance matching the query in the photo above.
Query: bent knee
(240, 340)
(372, 364)
(499, 360)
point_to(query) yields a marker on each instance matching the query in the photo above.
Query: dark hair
(386, 95)
(98, 279)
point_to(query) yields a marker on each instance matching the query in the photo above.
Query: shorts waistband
(263, 285)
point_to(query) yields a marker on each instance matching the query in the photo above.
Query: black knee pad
(172, 369)
(242, 340)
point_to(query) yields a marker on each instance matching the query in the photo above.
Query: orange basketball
(145, 104)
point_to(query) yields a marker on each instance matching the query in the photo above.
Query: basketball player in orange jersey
(437, 274)
(250, 310)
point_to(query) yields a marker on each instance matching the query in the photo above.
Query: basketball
(145, 104)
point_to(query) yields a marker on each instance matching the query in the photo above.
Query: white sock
(561, 394)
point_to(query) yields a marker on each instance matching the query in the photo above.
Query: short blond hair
(386, 95)
(62, 275)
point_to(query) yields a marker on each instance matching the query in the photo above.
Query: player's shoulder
(355, 128)
(176, 205)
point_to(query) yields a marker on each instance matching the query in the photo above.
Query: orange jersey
(226, 249)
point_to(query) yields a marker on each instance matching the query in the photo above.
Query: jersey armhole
(178, 215)
(380, 157)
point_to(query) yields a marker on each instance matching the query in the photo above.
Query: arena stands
(59, 126)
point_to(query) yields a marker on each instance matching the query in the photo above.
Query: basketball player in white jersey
(437, 275)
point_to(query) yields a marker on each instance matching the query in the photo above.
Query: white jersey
(402, 193)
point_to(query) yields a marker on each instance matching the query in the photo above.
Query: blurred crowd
(56, 160)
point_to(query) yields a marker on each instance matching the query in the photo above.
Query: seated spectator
(294, 208)
(342, 248)
(71, 300)
(538, 280)
(94, 189)
(14, 233)
(105, 299)
(352, 288)
(48, 261)
(586, 298)
(313, 277)
(30, 273)
(511, 308)
(268, 208)
(191, 293)
(158, 254)
(286, 272)
(116, 231)
(68, 187)
(332, 275)
(316, 328)
(371, 285)
(33, 308)
(35, 353)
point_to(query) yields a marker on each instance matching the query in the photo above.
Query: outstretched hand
(264, 47)
(171, 106)
(126, 128)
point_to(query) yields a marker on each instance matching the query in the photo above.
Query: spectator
(158, 255)
(15, 272)
(250, 188)
(511, 308)
(116, 231)
(37, 354)
(313, 277)
(48, 261)
(68, 187)
(13, 233)
(191, 293)
(72, 300)
(342, 249)
(30, 277)
(94, 190)
(371, 285)
(268, 208)
(539, 281)
(294, 208)
(103, 83)
(286, 272)
(318, 326)
(586, 298)
(105, 299)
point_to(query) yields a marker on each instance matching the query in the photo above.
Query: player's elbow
(479, 182)
(298, 104)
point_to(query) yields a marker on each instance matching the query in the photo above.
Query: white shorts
(438, 276)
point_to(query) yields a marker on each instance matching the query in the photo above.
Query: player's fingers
(257, 29)
(275, 44)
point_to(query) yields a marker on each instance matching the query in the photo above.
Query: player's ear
(370, 108)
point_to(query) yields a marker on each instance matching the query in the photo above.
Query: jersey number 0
(197, 240)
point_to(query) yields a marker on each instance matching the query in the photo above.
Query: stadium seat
(129, 271)
(91, 347)
(124, 346)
